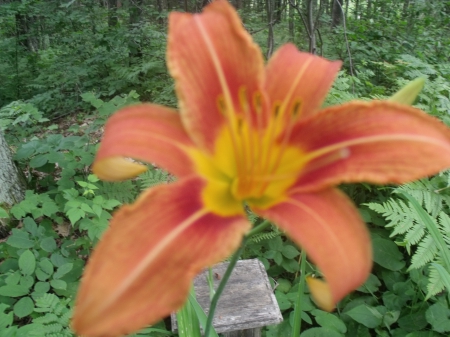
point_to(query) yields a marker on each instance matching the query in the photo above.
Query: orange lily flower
(248, 134)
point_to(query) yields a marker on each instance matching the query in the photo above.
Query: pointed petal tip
(408, 94)
(321, 293)
(117, 169)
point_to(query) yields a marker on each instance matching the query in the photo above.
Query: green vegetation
(65, 67)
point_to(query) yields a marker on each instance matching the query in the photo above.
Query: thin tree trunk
(270, 17)
(291, 21)
(12, 187)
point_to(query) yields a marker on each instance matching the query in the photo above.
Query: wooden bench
(247, 302)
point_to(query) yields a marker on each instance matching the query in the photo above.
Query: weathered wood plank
(247, 301)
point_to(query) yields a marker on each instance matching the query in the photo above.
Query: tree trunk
(12, 187)
(270, 4)
(291, 21)
(336, 15)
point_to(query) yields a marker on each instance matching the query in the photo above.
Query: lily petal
(329, 228)
(143, 266)
(379, 142)
(294, 77)
(217, 70)
(145, 132)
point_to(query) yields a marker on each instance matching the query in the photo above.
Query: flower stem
(226, 276)
(262, 226)
(298, 305)
(222, 284)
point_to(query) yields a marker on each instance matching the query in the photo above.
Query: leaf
(63, 270)
(366, 315)
(371, 285)
(75, 214)
(19, 239)
(321, 332)
(58, 284)
(27, 262)
(438, 315)
(23, 307)
(38, 161)
(46, 266)
(42, 287)
(48, 244)
(3, 213)
(30, 226)
(328, 320)
(290, 251)
(13, 290)
(387, 254)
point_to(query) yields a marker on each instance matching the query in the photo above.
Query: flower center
(250, 162)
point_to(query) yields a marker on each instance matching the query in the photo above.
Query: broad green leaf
(41, 275)
(58, 284)
(5, 319)
(20, 239)
(328, 320)
(38, 161)
(13, 290)
(63, 270)
(27, 262)
(75, 214)
(23, 307)
(48, 244)
(27, 281)
(438, 315)
(371, 285)
(42, 287)
(366, 315)
(321, 332)
(3, 213)
(414, 321)
(387, 254)
(30, 226)
(13, 278)
(46, 266)
(290, 251)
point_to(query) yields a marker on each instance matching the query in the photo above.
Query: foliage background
(65, 66)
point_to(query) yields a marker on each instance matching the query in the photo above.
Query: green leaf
(30, 226)
(58, 284)
(200, 314)
(42, 287)
(13, 291)
(328, 320)
(27, 262)
(41, 275)
(63, 270)
(371, 285)
(438, 315)
(23, 307)
(48, 244)
(27, 281)
(75, 214)
(387, 254)
(3, 213)
(321, 332)
(290, 251)
(19, 239)
(46, 266)
(38, 161)
(366, 315)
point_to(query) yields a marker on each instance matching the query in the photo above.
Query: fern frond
(426, 252)
(153, 177)
(435, 284)
(124, 191)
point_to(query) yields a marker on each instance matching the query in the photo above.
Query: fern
(123, 191)
(407, 224)
(153, 177)
(265, 236)
(55, 321)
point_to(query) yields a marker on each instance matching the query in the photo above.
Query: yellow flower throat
(249, 163)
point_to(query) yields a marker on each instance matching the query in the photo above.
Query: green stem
(262, 226)
(222, 284)
(298, 305)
